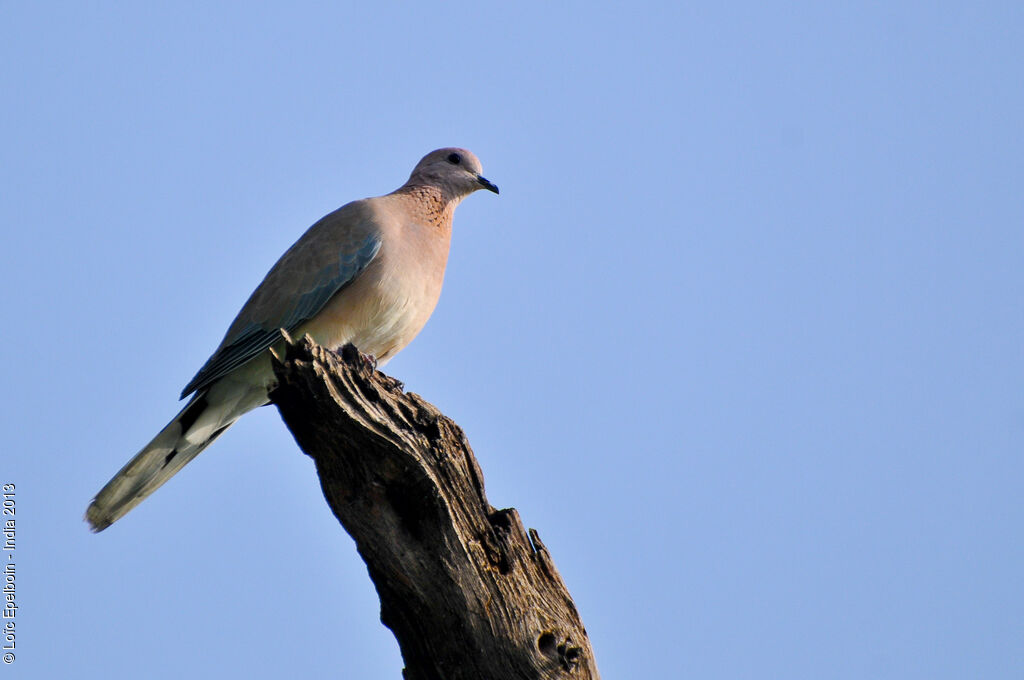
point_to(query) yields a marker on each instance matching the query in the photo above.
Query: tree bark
(467, 592)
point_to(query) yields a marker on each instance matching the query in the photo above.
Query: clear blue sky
(742, 337)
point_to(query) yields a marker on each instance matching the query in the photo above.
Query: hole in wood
(546, 644)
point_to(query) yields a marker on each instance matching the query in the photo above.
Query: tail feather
(184, 438)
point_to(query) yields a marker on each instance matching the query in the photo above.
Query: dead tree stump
(467, 592)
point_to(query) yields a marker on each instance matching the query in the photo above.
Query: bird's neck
(433, 205)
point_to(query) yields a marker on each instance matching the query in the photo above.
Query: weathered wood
(465, 589)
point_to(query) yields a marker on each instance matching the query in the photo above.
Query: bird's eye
(454, 158)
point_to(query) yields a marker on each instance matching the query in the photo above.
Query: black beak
(486, 184)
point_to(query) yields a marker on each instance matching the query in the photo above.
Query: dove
(369, 273)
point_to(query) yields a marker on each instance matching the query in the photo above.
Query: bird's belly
(379, 318)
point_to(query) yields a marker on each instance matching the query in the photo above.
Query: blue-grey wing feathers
(271, 309)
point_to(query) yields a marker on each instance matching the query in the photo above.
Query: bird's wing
(328, 257)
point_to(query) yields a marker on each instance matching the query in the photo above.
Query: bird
(369, 274)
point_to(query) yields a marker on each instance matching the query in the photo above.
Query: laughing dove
(369, 274)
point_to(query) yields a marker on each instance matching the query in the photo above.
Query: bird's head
(454, 171)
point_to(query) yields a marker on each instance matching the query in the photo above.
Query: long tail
(180, 441)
